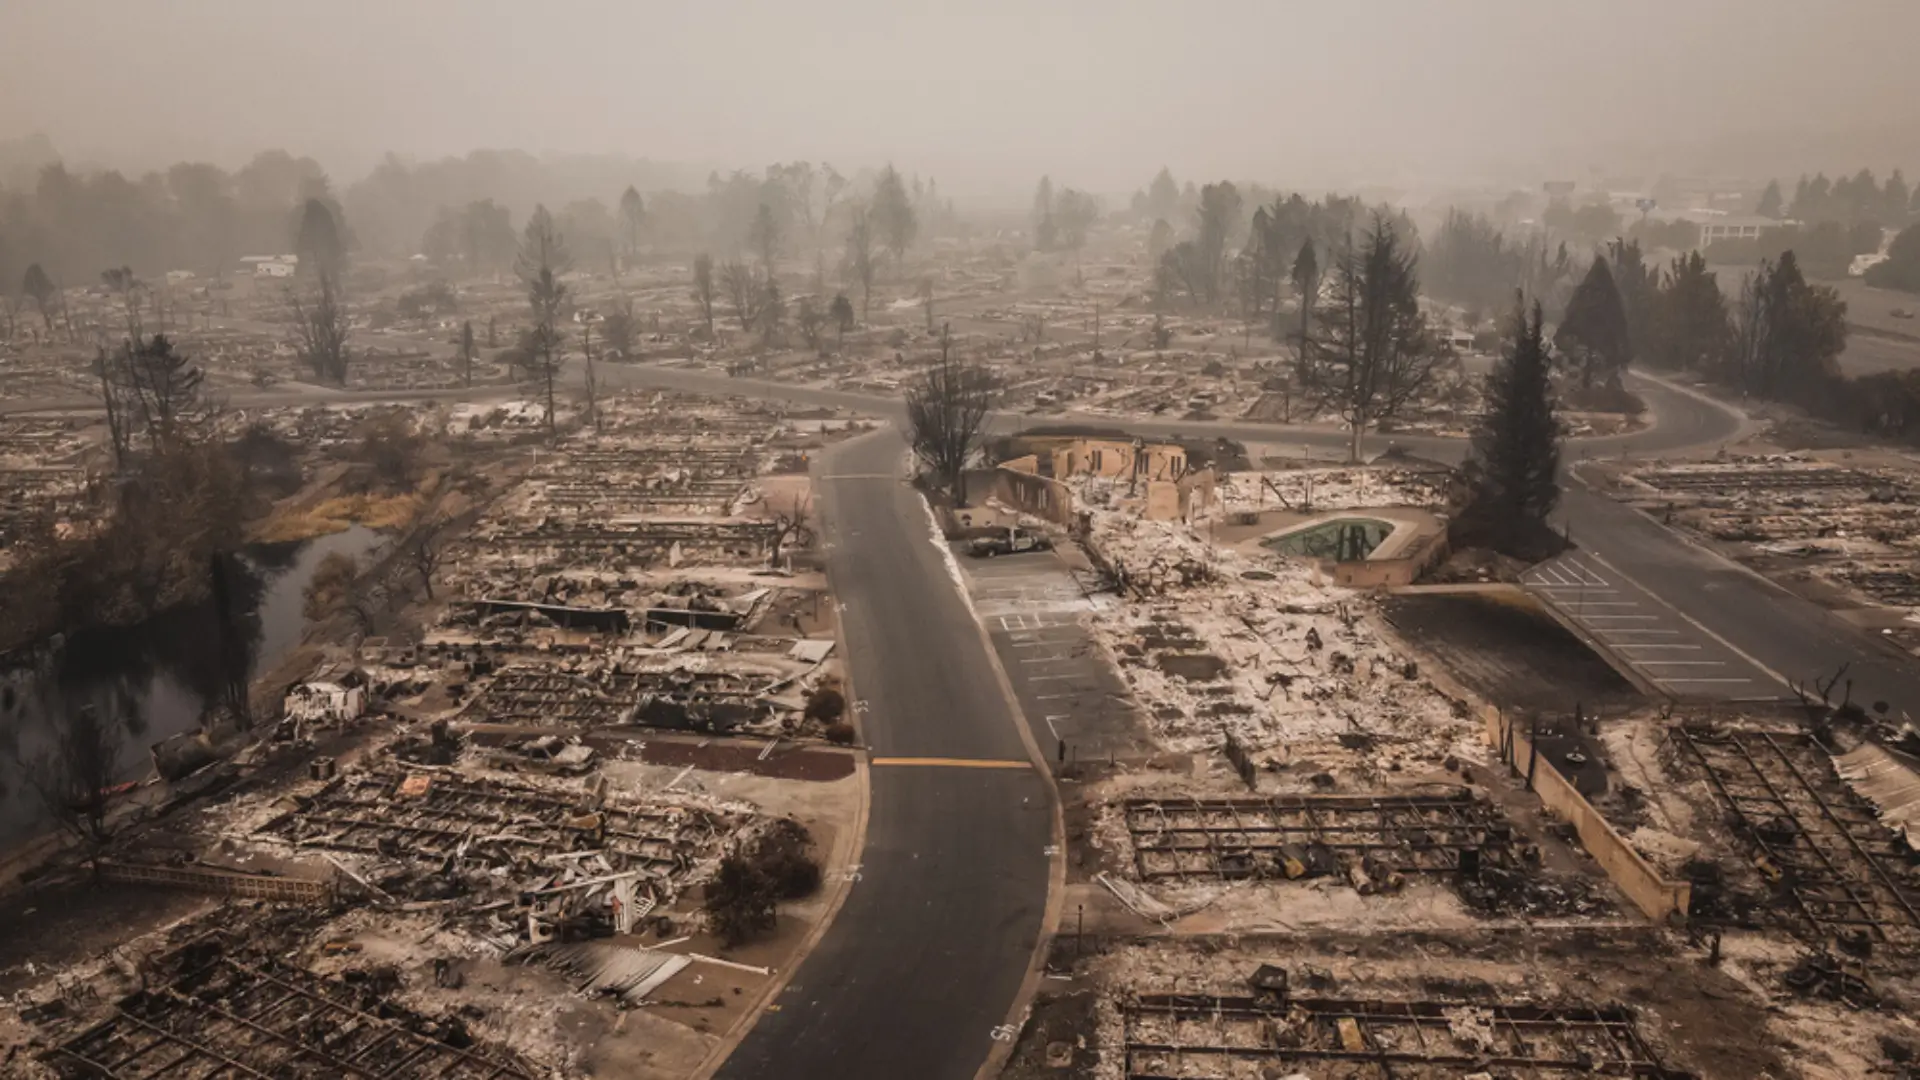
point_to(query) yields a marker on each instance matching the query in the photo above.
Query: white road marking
(1679, 663)
(1673, 681)
(1624, 618)
(1625, 645)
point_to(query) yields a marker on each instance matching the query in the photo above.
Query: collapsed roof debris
(221, 1004)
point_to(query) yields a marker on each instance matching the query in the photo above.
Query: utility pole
(593, 405)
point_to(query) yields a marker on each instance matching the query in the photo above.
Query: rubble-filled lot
(502, 826)
(222, 1003)
(1836, 526)
(1417, 1005)
(1070, 337)
(1318, 867)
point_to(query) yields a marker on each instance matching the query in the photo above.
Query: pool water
(1347, 539)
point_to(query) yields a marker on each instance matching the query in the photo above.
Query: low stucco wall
(1656, 897)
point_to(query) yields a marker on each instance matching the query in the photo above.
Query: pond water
(1347, 539)
(160, 674)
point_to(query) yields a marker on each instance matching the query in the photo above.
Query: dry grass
(336, 515)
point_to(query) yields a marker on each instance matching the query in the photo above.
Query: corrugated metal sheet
(1885, 781)
(629, 973)
(811, 650)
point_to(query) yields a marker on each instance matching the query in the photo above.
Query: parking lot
(1033, 607)
(1636, 629)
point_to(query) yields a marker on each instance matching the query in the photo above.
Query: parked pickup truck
(1009, 542)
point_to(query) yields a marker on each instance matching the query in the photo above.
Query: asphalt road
(1644, 634)
(925, 958)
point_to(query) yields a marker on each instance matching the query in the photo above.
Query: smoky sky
(985, 94)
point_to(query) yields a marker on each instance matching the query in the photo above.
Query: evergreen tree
(1690, 321)
(1163, 196)
(633, 214)
(1593, 333)
(894, 219)
(318, 242)
(1044, 230)
(1516, 447)
(1306, 287)
(1770, 201)
(1894, 203)
(1371, 353)
(1902, 268)
(40, 287)
(1637, 283)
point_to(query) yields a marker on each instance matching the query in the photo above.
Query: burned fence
(225, 1010)
(1244, 1038)
(1848, 876)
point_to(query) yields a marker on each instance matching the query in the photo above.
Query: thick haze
(987, 94)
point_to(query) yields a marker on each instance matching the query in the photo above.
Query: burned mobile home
(221, 1004)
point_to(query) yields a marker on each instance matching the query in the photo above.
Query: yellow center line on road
(951, 763)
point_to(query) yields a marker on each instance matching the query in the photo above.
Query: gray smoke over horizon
(1383, 94)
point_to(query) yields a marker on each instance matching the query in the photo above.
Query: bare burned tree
(793, 523)
(809, 320)
(703, 290)
(946, 414)
(321, 328)
(166, 395)
(744, 292)
(543, 259)
(620, 330)
(423, 547)
(586, 349)
(337, 587)
(1372, 353)
(842, 312)
(111, 372)
(74, 776)
(860, 265)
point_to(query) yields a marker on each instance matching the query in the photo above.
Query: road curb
(1057, 866)
(850, 845)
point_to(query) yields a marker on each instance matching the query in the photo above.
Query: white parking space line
(1578, 590)
(1623, 618)
(1627, 645)
(1583, 573)
(1679, 663)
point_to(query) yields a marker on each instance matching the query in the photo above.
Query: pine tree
(1516, 448)
(1770, 201)
(1593, 334)
(1690, 319)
